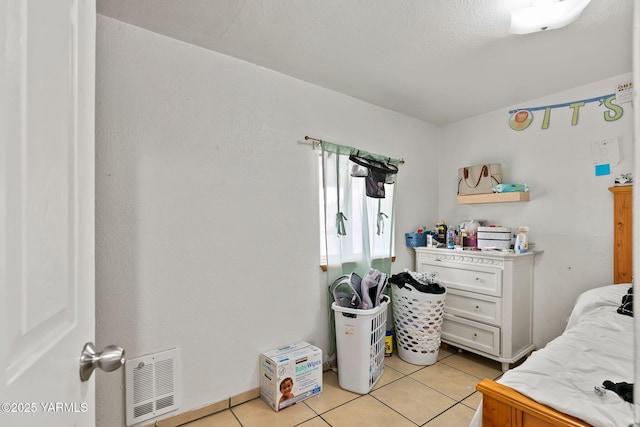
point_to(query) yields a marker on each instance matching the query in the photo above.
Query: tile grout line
(448, 409)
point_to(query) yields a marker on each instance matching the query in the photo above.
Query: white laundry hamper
(418, 323)
(360, 343)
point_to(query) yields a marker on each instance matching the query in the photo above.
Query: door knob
(109, 359)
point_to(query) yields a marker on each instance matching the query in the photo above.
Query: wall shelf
(521, 196)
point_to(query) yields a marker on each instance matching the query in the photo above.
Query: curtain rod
(317, 142)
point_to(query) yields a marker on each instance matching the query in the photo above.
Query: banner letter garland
(523, 117)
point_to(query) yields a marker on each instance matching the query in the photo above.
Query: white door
(46, 211)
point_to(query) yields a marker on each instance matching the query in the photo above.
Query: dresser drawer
(478, 279)
(473, 306)
(471, 334)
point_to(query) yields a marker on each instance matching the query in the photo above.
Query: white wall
(571, 211)
(207, 207)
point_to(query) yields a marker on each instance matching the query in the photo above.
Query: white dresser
(489, 302)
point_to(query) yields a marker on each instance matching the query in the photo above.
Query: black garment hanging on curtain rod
(378, 174)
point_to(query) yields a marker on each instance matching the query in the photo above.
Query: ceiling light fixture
(544, 15)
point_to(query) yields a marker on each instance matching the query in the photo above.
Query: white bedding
(597, 345)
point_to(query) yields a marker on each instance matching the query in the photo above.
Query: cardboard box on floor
(295, 370)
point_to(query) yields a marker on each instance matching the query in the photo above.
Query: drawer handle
(475, 335)
(477, 307)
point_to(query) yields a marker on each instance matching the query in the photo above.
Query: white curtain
(358, 228)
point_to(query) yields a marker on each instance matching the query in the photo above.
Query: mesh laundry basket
(418, 323)
(360, 340)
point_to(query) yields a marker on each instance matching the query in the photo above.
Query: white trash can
(418, 323)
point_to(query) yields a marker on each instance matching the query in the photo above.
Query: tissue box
(494, 237)
(290, 374)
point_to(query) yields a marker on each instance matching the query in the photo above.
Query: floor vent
(152, 385)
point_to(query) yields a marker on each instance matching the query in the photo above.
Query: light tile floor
(439, 395)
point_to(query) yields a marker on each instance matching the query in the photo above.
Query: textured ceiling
(436, 60)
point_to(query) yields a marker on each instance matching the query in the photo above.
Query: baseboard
(239, 399)
(205, 411)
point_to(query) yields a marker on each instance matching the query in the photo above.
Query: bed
(597, 345)
(561, 384)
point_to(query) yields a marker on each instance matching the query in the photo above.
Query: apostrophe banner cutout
(522, 118)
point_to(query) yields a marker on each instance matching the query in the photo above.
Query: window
(375, 213)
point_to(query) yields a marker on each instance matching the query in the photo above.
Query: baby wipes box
(290, 374)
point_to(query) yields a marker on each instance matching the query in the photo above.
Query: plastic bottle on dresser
(522, 240)
(441, 232)
(450, 238)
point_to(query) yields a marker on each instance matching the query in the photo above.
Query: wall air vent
(152, 385)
